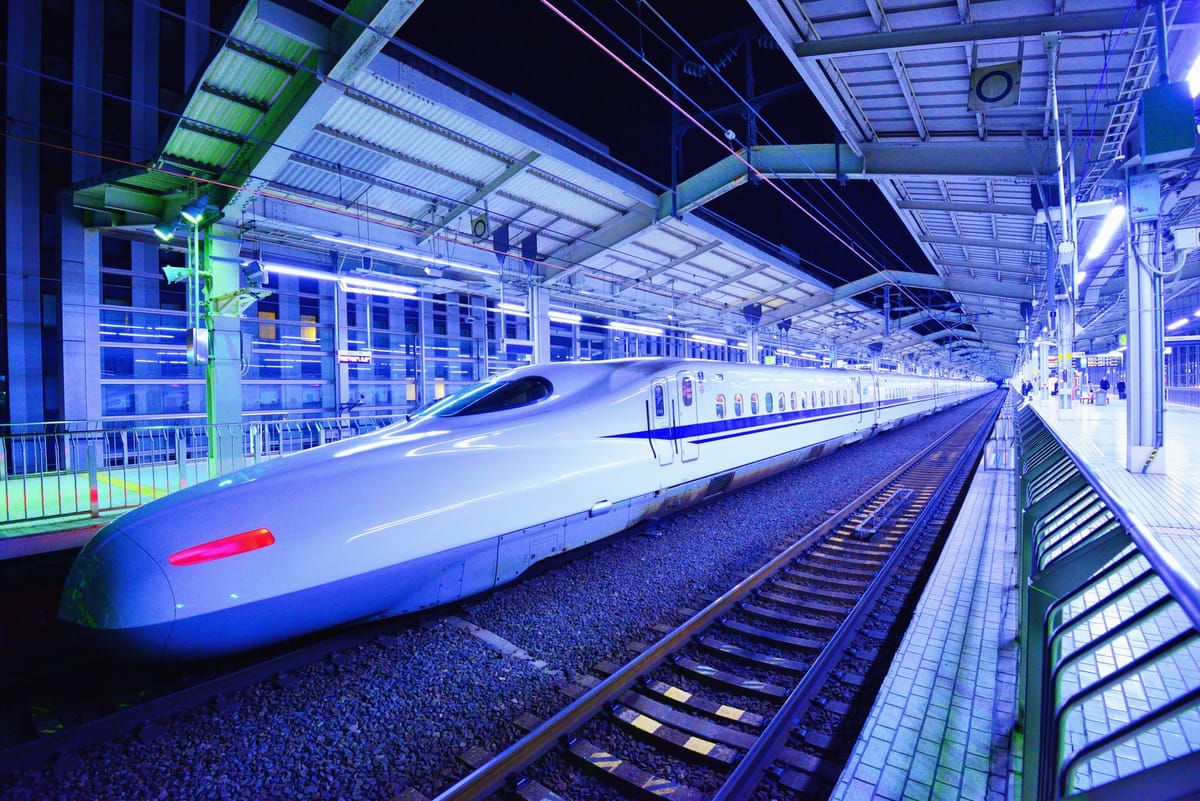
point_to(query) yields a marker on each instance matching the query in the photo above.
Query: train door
(875, 399)
(658, 409)
(858, 396)
(687, 415)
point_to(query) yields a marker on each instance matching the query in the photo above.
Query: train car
(462, 497)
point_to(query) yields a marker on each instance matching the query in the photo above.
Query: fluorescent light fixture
(564, 317)
(1196, 313)
(633, 328)
(358, 283)
(1108, 229)
(1193, 77)
(404, 254)
(785, 352)
(350, 283)
(1180, 323)
(515, 308)
(1080, 277)
(809, 355)
(270, 267)
(707, 340)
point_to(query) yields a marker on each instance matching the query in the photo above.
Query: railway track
(762, 693)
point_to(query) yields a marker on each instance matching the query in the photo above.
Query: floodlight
(254, 272)
(176, 274)
(194, 212)
(165, 231)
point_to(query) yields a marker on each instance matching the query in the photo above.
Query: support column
(539, 322)
(80, 320)
(22, 219)
(752, 345)
(223, 373)
(1144, 355)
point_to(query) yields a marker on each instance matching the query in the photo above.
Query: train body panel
(462, 497)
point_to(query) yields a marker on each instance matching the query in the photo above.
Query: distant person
(1054, 389)
(1121, 388)
(1103, 397)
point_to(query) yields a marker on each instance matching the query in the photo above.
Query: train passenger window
(720, 406)
(737, 405)
(770, 403)
(685, 389)
(793, 401)
(822, 397)
(753, 403)
(781, 406)
(660, 405)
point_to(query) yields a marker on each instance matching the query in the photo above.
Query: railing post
(181, 456)
(93, 479)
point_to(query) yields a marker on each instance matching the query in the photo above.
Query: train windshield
(490, 396)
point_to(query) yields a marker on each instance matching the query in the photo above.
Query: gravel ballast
(397, 713)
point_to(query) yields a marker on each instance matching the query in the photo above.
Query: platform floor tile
(943, 724)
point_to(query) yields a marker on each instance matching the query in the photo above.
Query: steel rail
(492, 776)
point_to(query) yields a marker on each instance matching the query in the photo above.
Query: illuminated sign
(354, 357)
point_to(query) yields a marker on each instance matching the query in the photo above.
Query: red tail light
(226, 546)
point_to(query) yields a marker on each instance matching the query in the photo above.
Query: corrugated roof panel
(197, 147)
(246, 76)
(539, 192)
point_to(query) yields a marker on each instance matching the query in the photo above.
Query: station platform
(945, 722)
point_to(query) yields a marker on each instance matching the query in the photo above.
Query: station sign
(354, 357)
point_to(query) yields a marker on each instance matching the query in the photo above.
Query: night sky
(529, 51)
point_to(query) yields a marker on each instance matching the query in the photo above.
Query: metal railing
(1110, 639)
(1184, 396)
(56, 470)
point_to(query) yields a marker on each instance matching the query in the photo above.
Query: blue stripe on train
(737, 427)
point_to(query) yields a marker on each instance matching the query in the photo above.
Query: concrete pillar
(22, 218)
(539, 322)
(87, 70)
(196, 40)
(222, 248)
(143, 83)
(82, 398)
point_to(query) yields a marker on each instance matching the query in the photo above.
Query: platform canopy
(964, 82)
(333, 144)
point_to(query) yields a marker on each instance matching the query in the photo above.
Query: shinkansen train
(462, 497)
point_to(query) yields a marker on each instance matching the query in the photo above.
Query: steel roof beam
(569, 259)
(892, 277)
(633, 283)
(988, 267)
(733, 279)
(966, 208)
(970, 159)
(996, 244)
(466, 204)
(942, 35)
(307, 97)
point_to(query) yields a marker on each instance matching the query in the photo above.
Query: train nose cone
(118, 596)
